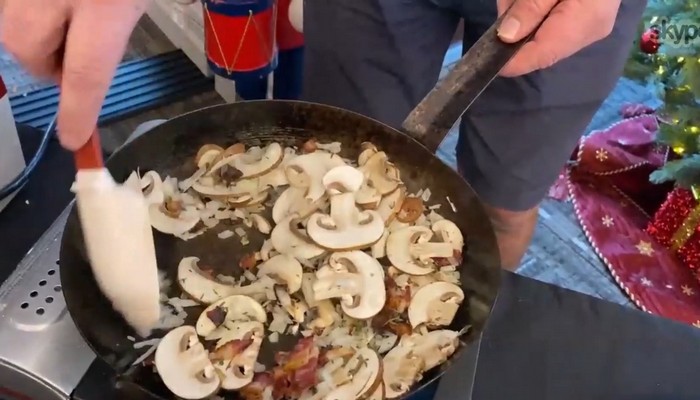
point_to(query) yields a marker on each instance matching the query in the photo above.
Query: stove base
(42, 355)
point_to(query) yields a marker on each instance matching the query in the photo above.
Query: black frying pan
(170, 148)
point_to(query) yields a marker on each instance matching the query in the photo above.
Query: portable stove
(42, 355)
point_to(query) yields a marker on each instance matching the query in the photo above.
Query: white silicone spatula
(118, 238)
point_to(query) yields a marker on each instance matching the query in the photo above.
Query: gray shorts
(380, 57)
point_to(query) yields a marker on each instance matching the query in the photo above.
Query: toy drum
(239, 37)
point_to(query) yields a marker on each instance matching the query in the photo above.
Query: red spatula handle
(90, 155)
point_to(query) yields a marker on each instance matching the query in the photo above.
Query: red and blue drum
(240, 37)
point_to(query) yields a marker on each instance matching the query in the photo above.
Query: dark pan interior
(170, 148)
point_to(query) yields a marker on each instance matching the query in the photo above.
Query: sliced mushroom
(449, 233)
(240, 370)
(390, 205)
(241, 188)
(153, 188)
(357, 279)
(326, 314)
(183, 365)
(365, 373)
(410, 250)
(378, 393)
(277, 177)
(293, 201)
(433, 348)
(234, 308)
(286, 239)
(255, 199)
(307, 171)
(234, 330)
(402, 369)
(259, 164)
(368, 198)
(261, 224)
(346, 228)
(207, 154)
(224, 159)
(343, 179)
(379, 247)
(236, 352)
(196, 285)
(368, 150)
(172, 217)
(254, 162)
(381, 174)
(435, 305)
(296, 309)
(284, 269)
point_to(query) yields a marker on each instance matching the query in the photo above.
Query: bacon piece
(333, 353)
(399, 328)
(309, 146)
(397, 298)
(255, 389)
(397, 301)
(248, 261)
(455, 260)
(296, 370)
(230, 350)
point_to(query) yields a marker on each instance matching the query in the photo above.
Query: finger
(96, 41)
(559, 38)
(32, 32)
(523, 17)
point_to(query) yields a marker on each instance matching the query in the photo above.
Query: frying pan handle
(435, 115)
(90, 155)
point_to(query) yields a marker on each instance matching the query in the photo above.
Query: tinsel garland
(676, 225)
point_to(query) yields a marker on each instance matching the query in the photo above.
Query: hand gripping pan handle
(435, 115)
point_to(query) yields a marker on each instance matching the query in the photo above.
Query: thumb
(95, 43)
(522, 18)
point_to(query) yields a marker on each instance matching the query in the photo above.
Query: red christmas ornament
(676, 214)
(649, 42)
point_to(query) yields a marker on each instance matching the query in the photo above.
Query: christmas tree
(667, 58)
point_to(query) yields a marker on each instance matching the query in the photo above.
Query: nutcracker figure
(290, 41)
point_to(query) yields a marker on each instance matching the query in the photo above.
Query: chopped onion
(144, 343)
(452, 205)
(333, 147)
(225, 234)
(146, 354)
(250, 276)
